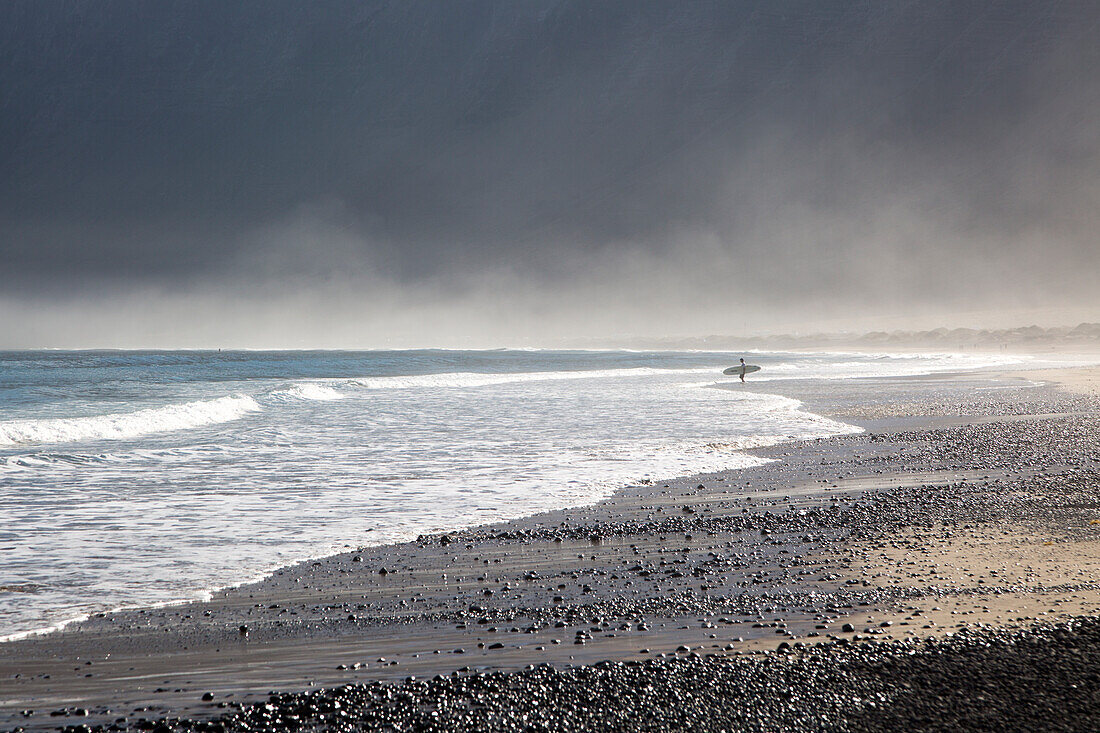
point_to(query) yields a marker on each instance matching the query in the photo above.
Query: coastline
(1079, 380)
(686, 566)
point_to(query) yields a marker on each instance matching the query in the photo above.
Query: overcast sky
(507, 172)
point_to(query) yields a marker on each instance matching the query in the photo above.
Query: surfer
(742, 372)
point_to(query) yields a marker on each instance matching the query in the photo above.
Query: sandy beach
(895, 579)
(1081, 380)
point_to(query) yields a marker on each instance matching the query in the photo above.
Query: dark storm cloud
(789, 149)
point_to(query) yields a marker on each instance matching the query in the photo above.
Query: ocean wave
(452, 380)
(881, 365)
(817, 366)
(120, 426)
(40, 460)
(44, 460)
(308, 391)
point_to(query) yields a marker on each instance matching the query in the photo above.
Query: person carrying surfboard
(741, 370)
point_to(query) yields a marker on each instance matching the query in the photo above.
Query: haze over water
(375, 174)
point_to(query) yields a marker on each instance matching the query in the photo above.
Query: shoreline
(205, 595)
(771, 385)
(536, 571)
(1078, 380)
(597, 491)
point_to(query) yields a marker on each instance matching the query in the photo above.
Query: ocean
(140, 478)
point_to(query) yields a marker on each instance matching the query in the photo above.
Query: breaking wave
(309, 391)
(120, 426)
(480, 379)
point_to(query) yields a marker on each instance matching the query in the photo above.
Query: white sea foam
(452, 380)
(309, 391)
(43, 630)
(46, 460)
(857, 366)
(817, 366)
(200, 595)
(124, 425)
(310, 472)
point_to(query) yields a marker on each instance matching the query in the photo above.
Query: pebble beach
(937, 571)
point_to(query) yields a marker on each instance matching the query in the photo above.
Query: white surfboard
(736, 370)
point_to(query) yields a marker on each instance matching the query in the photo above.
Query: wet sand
(963, 524)
(1080, 380)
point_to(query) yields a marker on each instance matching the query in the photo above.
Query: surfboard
(736, 370)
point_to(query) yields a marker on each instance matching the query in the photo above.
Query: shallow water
(135, 478)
